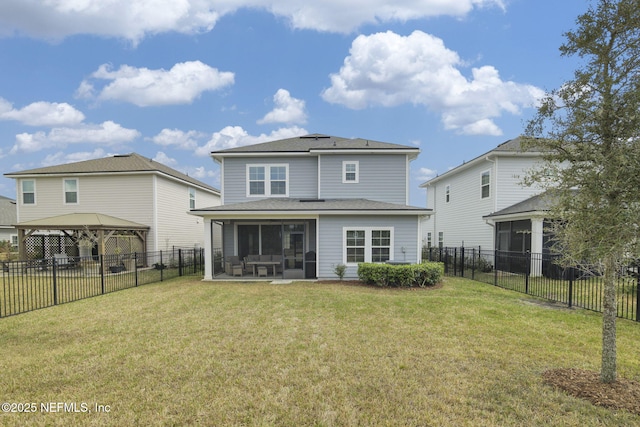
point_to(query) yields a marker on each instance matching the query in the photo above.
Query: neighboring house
(8, 218)
(479, 204)
(143, 202)
(310, 203)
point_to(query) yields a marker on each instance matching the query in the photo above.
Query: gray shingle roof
(316, 205)
(539, 203)
(8, 212)
(316, 141)
(132, 162)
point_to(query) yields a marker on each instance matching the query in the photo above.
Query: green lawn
(186, 352)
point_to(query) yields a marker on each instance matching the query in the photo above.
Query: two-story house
(313, 202)
(143, 202)
(482, 203)
(8, 218)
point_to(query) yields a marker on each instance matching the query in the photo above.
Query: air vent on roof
(122, 155)
(315, 136)
(311, 200)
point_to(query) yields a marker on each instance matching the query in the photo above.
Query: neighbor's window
(192, 198)
(368, 244)
(447, 193)
(440, 239)
(267, 180)
(70, 191)
(429, 240)
(350, 172)
(28, 192)
(486, 184)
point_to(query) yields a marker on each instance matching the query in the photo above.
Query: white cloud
(59, 157)
(182, 84)
(177, 138)
(41, 113)
(133, 20)
(425, 174)
(388, 69)
(236, 136)
(163, 158)
(107, 133)
(287, 109)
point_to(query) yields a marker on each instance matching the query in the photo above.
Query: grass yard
(186, 352)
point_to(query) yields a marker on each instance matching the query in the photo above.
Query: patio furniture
(236, 270)
(262, 271)
(230, 263)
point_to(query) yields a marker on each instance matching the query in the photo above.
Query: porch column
(536, 246)
(208, 249)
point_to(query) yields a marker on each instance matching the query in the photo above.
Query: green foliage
(589, 132)
(340, 270)
(403, 276)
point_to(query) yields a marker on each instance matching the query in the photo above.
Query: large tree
(590, 131)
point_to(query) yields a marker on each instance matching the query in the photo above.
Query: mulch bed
(621, 394)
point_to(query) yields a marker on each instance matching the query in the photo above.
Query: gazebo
(105, 235)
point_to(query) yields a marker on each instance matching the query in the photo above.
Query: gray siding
(381, 177)
(303, 177)
(330, 242)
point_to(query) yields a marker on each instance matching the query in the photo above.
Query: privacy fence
(541, 275)
(34, 284)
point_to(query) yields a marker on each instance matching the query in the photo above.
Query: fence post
(570, 286)
(161, 268)
(638, 299)
(135, 266)
(55, 283)
(473, 263)
(102, 274)
(527, 273)
(462, 261)
(455, 262)
(495, 268)
(180, 262)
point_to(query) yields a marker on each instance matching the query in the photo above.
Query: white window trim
(367, 243)
(488, 171)
(267, 179)
(35, 198)
(344, 171)
(192, 191)
(64, 191)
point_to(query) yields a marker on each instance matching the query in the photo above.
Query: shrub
(340, 270)
(414, 275)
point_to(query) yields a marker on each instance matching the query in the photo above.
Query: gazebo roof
(93, 221)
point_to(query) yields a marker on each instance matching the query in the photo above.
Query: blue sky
(175, 80)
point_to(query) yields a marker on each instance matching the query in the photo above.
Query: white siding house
(463, 197)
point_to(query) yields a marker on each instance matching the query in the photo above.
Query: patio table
(265, 263)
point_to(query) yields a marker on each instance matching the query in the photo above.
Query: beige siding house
(129, 187)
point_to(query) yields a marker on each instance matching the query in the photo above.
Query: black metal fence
(34, 284)
(540, 275)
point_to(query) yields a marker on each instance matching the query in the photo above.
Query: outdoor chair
(232, 262)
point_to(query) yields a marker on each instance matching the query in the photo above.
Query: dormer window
(350, 172)
(267, 180)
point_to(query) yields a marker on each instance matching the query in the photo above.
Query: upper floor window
(350, 172)
(70, 191)
(447, 193)
(486, 184)
(28, 192)
(192, 198)
(267, 180)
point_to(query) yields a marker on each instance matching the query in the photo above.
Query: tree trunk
(608, 371)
